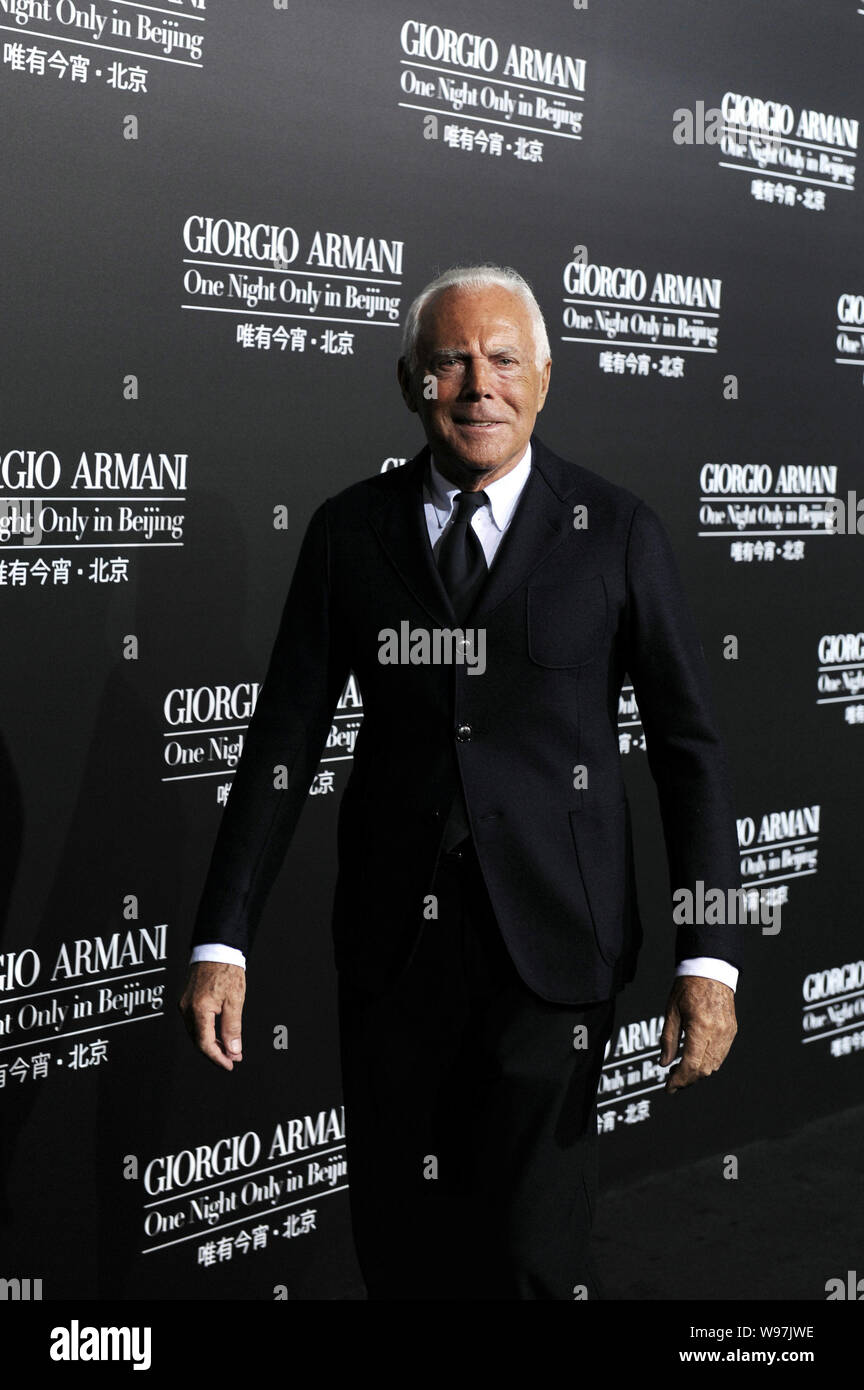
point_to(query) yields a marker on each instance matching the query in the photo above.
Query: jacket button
(463, 733)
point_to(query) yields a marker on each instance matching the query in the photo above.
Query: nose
(478, 377)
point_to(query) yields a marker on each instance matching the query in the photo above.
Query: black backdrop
(175, 404)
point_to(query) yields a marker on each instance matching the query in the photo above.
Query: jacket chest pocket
(566, 623)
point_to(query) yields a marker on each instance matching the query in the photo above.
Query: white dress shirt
(489, 524)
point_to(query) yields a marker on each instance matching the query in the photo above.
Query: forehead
(458, 315)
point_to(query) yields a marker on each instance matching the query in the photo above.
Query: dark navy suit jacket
(566, 611)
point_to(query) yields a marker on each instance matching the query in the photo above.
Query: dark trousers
(470, 1117)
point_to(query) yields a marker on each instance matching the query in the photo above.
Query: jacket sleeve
(307, 671)
(685, 751)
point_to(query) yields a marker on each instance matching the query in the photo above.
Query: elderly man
(485, 912)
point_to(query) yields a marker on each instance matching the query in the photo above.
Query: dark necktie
(461, 562)
(462, 566)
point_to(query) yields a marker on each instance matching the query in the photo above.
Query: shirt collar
(503, 494)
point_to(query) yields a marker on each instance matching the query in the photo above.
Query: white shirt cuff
(214, 950)
(710, 968)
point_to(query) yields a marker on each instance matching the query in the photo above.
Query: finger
(670, 1038)
(697, 1060)
(203, 1032)
(679, 1077)
(230, 1030)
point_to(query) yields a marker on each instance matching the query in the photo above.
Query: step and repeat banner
(215, 213)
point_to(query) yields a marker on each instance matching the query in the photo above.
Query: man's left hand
(704, 1011)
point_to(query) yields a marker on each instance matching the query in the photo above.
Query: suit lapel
(400, 524)
(540, 523)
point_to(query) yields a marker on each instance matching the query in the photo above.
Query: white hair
(476, 277)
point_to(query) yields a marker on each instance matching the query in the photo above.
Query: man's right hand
(215, 989)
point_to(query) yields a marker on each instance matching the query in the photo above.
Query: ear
(544, 384)
(406, 385)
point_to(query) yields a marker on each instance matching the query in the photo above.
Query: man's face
(477, 347)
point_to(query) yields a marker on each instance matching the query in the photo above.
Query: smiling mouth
(479, 424)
